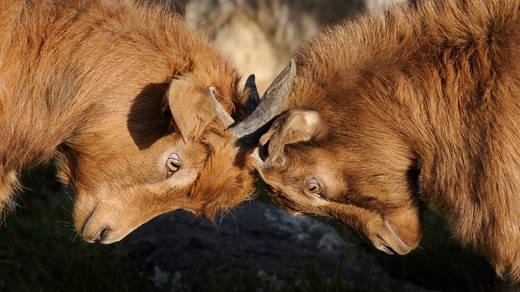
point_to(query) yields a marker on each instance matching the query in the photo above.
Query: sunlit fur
(88, 82)
(423, 106)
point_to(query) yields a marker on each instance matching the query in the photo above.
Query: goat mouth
(399, 246)
(386, 248)
(87, 219)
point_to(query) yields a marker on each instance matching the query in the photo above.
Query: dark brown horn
(270, 105)
(254, 98)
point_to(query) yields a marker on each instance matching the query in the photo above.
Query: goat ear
(292, 127)
(193, 108)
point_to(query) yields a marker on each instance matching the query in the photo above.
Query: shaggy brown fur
(422, 107)
(95, 83)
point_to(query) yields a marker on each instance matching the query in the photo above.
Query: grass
(39, 252)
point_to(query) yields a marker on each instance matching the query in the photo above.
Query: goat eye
(313, 186)
(173, 163)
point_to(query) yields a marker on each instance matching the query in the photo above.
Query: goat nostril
(103, 234)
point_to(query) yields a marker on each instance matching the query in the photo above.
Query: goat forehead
(316, 163)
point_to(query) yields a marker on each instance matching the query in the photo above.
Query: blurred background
(260, 36)
(258, 246)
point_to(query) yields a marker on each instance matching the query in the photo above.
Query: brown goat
(125, 97)
(396, 110)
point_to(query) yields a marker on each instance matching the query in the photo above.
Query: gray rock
(259, 240)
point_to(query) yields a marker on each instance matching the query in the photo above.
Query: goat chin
(399, 246)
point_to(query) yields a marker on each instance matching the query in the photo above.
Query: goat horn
(270, 105)
(254, 98)
(221, 112)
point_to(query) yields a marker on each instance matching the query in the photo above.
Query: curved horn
(270, 105)
(254, 98)
(221, 112)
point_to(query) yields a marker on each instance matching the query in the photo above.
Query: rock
(259, 240)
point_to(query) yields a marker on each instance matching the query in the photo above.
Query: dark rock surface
(256, 242)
